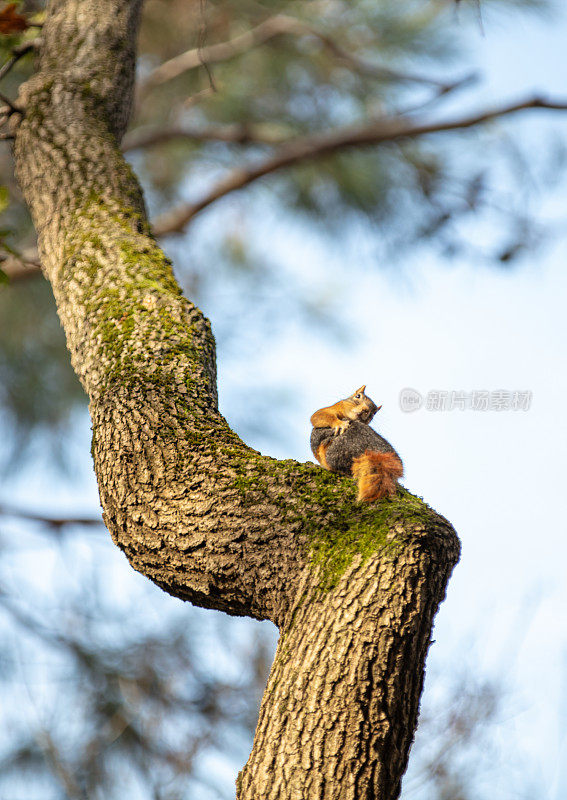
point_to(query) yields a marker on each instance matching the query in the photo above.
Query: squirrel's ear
(362, 388)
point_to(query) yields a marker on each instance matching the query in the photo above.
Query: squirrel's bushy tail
(377, 474)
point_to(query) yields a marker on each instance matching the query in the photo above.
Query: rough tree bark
(353, 589)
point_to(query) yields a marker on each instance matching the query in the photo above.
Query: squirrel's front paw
(341, 427)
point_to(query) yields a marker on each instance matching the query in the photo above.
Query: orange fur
(328, 417)
(337, 416)
(321, 454)
(377, 474)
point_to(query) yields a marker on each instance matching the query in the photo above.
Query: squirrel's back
(361, 452)
(340, 451)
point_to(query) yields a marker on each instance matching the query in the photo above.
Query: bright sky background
(498, 476)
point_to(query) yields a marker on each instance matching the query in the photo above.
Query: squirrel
(343, 441)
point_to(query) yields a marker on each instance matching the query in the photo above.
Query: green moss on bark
(364, 529)
(321, 506)
(131, 299)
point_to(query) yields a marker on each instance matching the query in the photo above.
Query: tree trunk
(353, 588)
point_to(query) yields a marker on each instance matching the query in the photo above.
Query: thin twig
(198, 96)
(18, 271)
(60, 770)
(44, 519)
(441, 93)
(320, 145)
(20, 266)
(237, 134)
(201, 44)
(17, 52)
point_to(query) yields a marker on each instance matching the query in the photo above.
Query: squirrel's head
(365, 407)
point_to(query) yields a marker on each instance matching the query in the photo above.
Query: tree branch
(353, 587)
(20, 268)
(324, 144)
(277, 25)
(291, 152)
(235, 134)
(18, 52)
(46, 520)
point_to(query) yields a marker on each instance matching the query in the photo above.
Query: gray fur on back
(354, 442)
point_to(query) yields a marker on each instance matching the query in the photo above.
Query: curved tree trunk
(353, 588)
